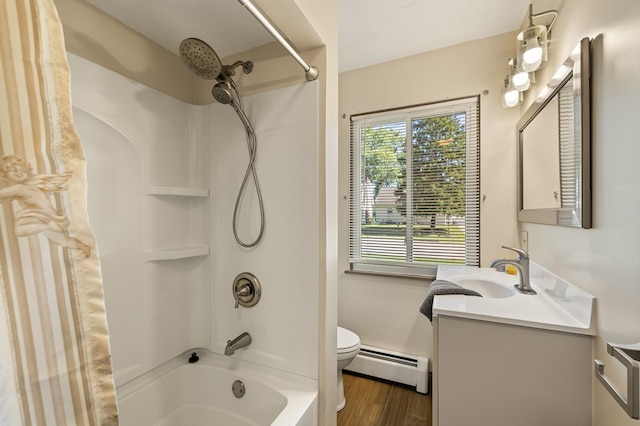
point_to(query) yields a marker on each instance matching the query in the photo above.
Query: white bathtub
(180, 394)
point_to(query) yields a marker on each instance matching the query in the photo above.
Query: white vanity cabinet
(492, 374)
(522, 360)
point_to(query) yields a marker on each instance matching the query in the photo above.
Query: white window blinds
(415, 188)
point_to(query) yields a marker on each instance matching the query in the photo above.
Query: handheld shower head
(222, 92)
(200, 58)
(225, 93)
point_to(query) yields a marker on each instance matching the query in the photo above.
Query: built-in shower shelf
(174, 254)
(177, 191)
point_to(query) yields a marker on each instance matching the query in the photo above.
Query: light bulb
(532, 56)
(511, 98)
(521, 81)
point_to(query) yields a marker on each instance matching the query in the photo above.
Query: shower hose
(251, 170)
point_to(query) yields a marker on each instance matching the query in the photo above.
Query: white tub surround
(165, 176)
(558, 305)
(148, 199)
(180, 393)
(284, 324)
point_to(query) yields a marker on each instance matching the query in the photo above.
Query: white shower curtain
(55, 362)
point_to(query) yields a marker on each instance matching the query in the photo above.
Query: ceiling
(370, 31)
(376, 31)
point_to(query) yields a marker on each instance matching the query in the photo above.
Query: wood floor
(375, 403)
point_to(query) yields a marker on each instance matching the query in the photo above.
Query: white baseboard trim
(394, 366)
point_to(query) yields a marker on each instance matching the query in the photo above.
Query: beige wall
(96, 36)
(603, 260)
(383, 311)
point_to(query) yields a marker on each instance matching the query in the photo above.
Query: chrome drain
(238, 389)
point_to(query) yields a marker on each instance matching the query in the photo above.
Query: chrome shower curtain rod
(310, 72)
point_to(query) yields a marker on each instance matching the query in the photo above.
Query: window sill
(422, 275)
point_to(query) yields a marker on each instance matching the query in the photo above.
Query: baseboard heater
(394, 366)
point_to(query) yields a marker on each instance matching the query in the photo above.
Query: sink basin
(570, 311)
(486, 288)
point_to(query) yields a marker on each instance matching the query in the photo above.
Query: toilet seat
(348, 341)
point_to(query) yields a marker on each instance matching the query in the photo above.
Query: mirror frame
(580, 215)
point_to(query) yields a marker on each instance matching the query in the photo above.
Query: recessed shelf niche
(174, 223)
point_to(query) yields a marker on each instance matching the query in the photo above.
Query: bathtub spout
(239, 342)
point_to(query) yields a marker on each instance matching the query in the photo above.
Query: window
(415, 188)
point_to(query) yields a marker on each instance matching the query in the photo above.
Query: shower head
(200, 58)
(222, 92)
(226, 93)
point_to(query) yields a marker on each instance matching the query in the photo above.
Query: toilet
(348, 348)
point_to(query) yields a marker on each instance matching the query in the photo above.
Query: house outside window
(415, 188)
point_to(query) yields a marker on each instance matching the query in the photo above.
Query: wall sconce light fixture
(531, 55)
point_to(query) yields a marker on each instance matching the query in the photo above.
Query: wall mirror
(554, 148)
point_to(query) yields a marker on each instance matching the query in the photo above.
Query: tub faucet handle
(246, 290)
(242, 290)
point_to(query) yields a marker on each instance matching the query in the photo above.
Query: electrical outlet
(524, 240)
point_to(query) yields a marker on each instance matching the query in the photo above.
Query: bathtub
(179, 393)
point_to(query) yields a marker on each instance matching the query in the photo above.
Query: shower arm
(230, 70)
(311, 72)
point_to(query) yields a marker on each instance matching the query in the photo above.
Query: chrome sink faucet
(239, 342)
(522, 264)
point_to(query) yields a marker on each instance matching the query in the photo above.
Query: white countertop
(558, 305)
